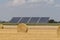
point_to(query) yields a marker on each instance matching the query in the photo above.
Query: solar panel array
(29, 20)
(15, 19)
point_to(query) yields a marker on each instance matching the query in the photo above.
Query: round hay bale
(1, 26)
(58, 31)
(22, 27)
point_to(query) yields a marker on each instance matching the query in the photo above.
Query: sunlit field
(33, 33)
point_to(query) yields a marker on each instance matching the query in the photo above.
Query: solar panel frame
(29, 20)
(38, 20)
(19, 20)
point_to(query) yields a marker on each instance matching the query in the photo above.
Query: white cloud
(41, 3)
(50, 1)
(47, 1)
(21, 2)
(16, 2)
(57, 5)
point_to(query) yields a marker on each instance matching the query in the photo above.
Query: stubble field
(34, 33)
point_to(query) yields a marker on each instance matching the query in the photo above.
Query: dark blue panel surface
(15, 19)
(34, 20)
(44, 20)
(24, 20)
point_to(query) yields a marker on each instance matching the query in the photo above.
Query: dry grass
(32, 34)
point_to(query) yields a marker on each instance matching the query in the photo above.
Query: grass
(49, 24)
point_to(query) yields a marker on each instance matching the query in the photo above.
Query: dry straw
(22, 27)
(58, 31)
(1, 26)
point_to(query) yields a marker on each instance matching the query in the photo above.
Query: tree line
(53, 21)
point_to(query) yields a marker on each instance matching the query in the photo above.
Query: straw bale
(22, 27)
(1, 26)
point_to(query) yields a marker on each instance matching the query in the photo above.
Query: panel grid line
(38, 20)
(29, 20)
(20, 20)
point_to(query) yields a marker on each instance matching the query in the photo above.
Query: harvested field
(34, 33)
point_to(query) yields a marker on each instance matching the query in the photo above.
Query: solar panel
(15, 19)
(29, 20)
(24, 20)
(34, 20)
(44, 20)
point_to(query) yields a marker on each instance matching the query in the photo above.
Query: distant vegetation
(3, 22)
(53, 21)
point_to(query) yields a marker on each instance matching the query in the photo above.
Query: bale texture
(22, 27)
(1, 26)
(58, 31)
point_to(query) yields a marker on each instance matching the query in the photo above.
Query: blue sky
(31, 8)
